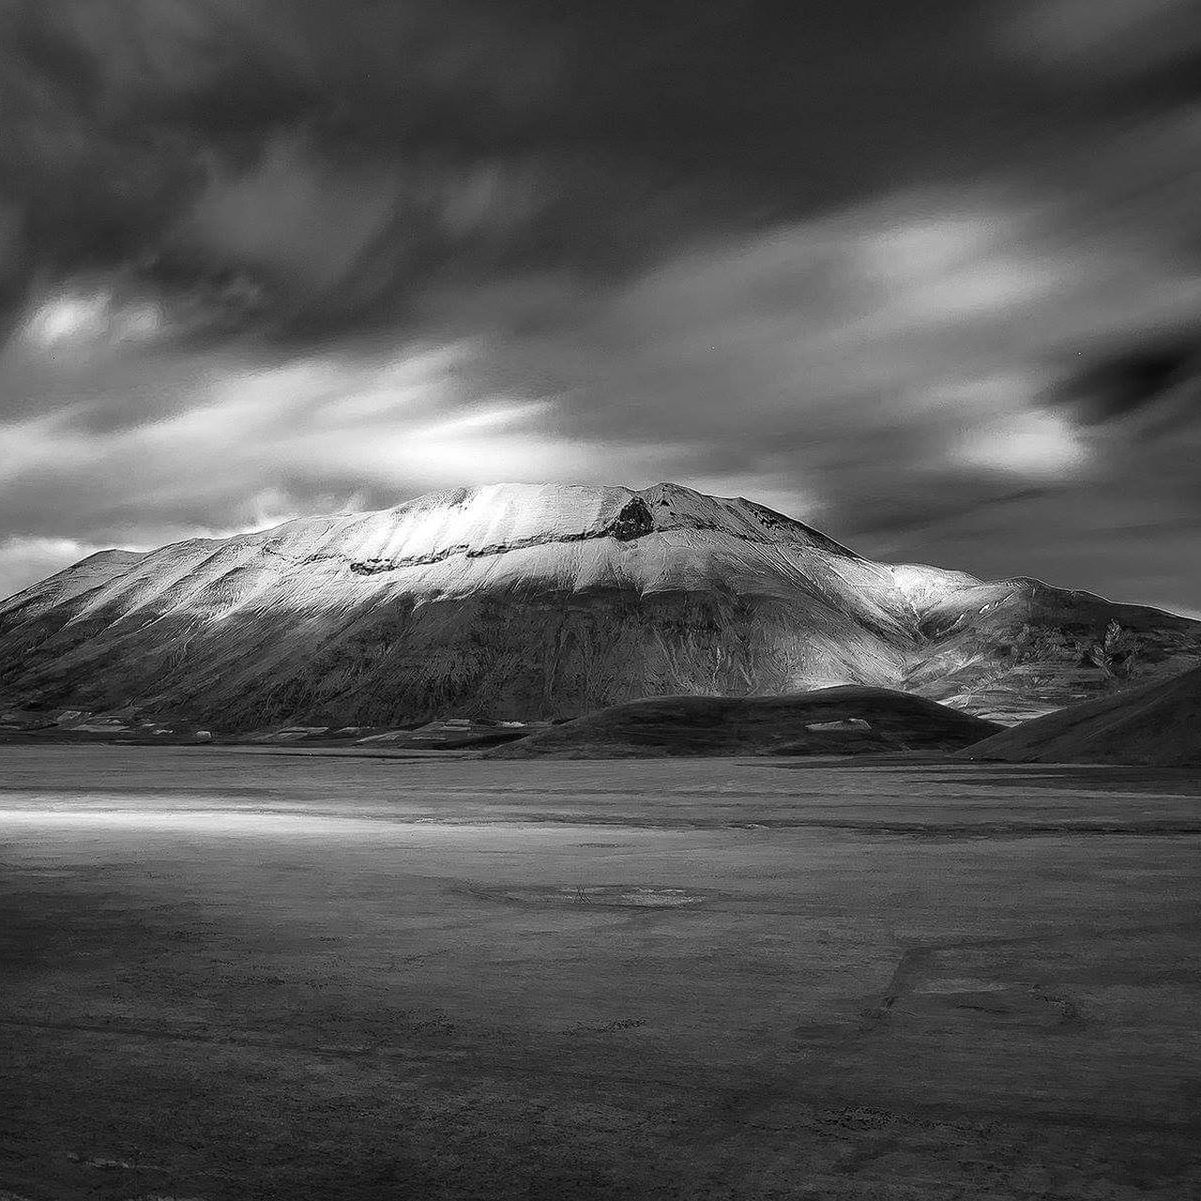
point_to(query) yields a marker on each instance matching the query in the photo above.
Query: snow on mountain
(542, 600)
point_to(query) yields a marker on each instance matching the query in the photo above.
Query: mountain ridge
(537, 600)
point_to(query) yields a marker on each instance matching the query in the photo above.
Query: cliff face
(547, 601)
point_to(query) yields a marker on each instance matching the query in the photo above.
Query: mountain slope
(844, 720)
(1157, 724)
(536, 601)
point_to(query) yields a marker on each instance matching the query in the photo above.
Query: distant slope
(1157, 724)
(520, 601)
(844, 720)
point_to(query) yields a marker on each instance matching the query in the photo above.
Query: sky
(924, 274)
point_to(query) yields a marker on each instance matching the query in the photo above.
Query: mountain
(548, 601)
(1157, 724)
(847, 720)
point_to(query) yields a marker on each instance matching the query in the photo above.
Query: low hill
(837, 721)
(1157, 724)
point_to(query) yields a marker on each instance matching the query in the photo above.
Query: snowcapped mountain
(534, 601)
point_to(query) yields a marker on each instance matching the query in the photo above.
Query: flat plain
(234, 975)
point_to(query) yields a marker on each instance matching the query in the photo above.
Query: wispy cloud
(24, 559)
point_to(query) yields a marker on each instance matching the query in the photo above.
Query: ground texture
(241, 975)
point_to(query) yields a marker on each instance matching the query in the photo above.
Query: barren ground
(238, 975)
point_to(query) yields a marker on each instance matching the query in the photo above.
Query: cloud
(851, 366)
(1037, 445)
(926, 279)
(253, 440)
(346, 156)
(826, 333)
(292, 216)
(80, 317)
(283, 144)
(25, 559)
(1109, 39)
(336, 240)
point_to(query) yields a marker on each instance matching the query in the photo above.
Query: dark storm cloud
(926, 275)
(158, 134)
(406, 140)
(1125, 381)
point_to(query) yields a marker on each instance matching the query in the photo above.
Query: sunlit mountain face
(923, 276)
(533, 602)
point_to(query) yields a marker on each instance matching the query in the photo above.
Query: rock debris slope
(548, 601)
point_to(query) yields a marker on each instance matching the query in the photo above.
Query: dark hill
(844, 720)
(1158, 724)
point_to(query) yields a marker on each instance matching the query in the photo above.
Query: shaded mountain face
(1157, 724)
(549, 601)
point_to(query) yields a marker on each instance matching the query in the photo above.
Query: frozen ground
(240, 975)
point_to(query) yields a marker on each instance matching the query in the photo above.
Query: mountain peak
(538, 600)
(496, 518)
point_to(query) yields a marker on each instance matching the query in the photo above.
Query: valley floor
(238, 975)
